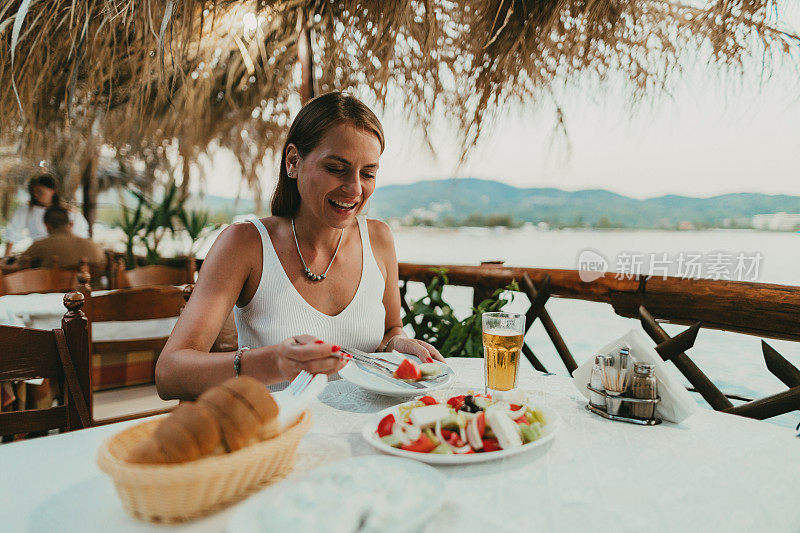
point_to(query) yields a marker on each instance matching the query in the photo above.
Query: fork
(299, 384)
(296, 397)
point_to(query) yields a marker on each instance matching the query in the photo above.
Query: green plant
(433, 319)
(132, 223)
(161, 220)
(196, 224)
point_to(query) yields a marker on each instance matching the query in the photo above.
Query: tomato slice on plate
(480, 421)
(456, 401)
(408, 370)
(385, 425)
(423, 445)
(491, 445)
(428, 400)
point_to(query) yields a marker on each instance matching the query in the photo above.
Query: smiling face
(336, 178)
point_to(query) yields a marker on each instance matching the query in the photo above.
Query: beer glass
(502, 342)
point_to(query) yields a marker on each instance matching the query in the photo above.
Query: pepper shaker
(644, 386)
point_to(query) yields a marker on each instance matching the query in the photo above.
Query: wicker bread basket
(178, 492)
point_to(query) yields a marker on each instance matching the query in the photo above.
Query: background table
(714, 472)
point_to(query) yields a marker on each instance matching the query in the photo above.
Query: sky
(714, 134)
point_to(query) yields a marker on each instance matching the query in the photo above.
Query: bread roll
(237, 422)
(251, 393)
(227, 417)
(199, 421)
(147, 451)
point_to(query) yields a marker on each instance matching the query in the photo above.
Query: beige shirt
(69, 249)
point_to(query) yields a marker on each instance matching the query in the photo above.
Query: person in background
(28, 220)
(62, 243)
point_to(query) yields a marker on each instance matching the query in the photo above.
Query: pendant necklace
(307, 271)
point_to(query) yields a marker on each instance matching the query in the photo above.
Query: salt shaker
(644, 386)
(596, 382)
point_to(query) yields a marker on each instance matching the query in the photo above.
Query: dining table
(711, 472)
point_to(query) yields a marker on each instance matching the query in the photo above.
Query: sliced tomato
(428, 400)
(452, 438)
(408, 370)
(423, 445)
(515, 407)
(491, 445)
(456, 401)
(480, 422)
(385, 425)
(521, 420)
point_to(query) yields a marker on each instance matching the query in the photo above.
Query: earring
(290, 174)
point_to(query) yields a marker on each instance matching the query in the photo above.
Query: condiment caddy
(616, 393)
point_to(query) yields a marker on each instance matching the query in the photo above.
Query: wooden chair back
(138, 303)
(152, 275)
(33, 353)
(130, 362)
(30, 280)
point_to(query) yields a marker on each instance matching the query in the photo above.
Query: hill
(454, 201)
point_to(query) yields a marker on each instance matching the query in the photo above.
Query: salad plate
(366, 494)
(544, 433)
(362, 376)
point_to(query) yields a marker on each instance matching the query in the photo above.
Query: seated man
(62, 243)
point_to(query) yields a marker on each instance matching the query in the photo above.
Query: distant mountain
(454, 200)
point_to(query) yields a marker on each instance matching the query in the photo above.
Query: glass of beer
(502, 343)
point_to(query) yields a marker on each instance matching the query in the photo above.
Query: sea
(734, 362)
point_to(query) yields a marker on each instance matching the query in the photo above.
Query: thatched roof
(138, 74)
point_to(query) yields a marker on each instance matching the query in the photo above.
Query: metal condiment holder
(602, 412)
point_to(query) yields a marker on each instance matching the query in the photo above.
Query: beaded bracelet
(237, 360)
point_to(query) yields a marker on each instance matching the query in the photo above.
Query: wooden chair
(130, 362)
(152, 275)
(53, 279)
(31, 280)
(61, 355)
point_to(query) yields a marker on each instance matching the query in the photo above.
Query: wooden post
(779, 366)
(306, 58)
(679, 343)
(774, 405)
(547, 322)
(76, 332)
(91, 188)
(482, 292)
(704, 386)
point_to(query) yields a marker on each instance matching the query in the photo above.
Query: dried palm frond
(143, 75)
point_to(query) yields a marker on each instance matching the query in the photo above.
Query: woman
(306, 281)
(28, 220)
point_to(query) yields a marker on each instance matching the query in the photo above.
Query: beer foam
(502, 332)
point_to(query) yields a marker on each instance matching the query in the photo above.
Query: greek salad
(463, 424)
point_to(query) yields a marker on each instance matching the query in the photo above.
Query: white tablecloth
(45, 311)
(714, 472)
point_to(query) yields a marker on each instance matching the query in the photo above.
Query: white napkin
(676, 404)
(291, 407)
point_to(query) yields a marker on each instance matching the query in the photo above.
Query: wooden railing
(758, 309)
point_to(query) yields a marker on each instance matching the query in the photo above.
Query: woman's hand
(304, 352)
(425, 351)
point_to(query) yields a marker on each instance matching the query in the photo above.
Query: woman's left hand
(425, 351)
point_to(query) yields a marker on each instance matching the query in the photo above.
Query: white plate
(369, 432)
(355, 375)
(386, 493)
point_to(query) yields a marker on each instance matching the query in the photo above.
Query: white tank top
(277, 311)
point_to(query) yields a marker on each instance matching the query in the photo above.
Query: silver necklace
(310, 275)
